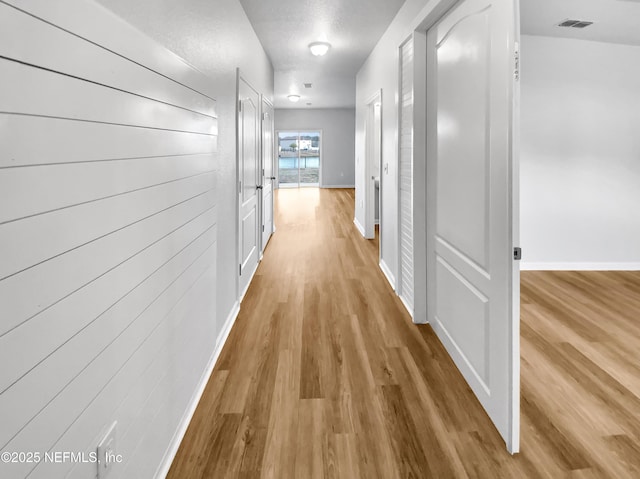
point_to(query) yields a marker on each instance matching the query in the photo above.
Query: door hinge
(517, 253)
(239, 105)
(240, 186)
(516, 69)
(240, 270)
(263, 228)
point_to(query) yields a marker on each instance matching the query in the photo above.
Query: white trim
(246, 288)
(388, 274)
(174, 445)
(358, 226)
(338, 186)
(406, 306)
(578, 266)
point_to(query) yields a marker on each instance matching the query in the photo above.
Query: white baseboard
(388, 274)
(599, 266)
(338, 186)
(174, 445)
(246, 288)
(406, 306)
(359, 226)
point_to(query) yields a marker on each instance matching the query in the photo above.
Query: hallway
(324, 375)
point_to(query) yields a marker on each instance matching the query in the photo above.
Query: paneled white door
(268, 175)
(248, 184)
(470, 201)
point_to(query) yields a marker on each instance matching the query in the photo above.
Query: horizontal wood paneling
(108, 235)
(47, 188)
(69, 141)
(63, 365)
(43, 94)
(128, 360)
(89, 61)
(92, 21)
(21, 240)
(167, 380)
(61, 320)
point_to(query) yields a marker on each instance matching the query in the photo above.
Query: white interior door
(248, 185)
(268, 176)
(470, 201)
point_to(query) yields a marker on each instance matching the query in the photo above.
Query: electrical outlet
(107, 452)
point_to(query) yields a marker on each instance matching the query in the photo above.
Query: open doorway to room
(299, 157)
(580, 227)
(373, 167)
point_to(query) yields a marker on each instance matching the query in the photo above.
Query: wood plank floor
(324, 375)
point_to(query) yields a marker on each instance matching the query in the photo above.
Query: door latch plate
(517, 253)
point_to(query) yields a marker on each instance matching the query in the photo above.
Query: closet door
(405, 193)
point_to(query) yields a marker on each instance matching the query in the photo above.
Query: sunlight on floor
(297, 205)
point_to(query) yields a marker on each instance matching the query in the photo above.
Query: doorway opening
(299, 157)
(373, 167)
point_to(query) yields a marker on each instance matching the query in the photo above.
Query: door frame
(264, 100)
(438, 11)
(370, 189)
(277, 160)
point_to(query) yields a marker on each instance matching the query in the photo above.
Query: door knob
(272, 177)
(258, 187)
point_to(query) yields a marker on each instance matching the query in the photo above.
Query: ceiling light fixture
(293, 98)
(319, 48)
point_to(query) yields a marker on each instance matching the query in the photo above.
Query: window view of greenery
(299, 158)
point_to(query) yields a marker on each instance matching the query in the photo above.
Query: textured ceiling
(285, 29)
(615, 21)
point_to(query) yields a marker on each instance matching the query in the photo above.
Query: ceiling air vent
(307, 85)
(575, 24)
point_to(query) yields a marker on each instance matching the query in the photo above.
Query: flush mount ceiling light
(293, 98)
(319, 48)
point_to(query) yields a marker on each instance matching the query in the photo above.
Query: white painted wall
(580, 154)
(109, 219)
(380, 71)
(338, 139)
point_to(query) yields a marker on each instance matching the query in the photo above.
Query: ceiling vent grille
(574, 24)
(307, 85)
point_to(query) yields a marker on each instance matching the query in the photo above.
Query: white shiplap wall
(405, 176)
(107, 237)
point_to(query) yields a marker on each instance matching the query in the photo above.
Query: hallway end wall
(338, 140)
